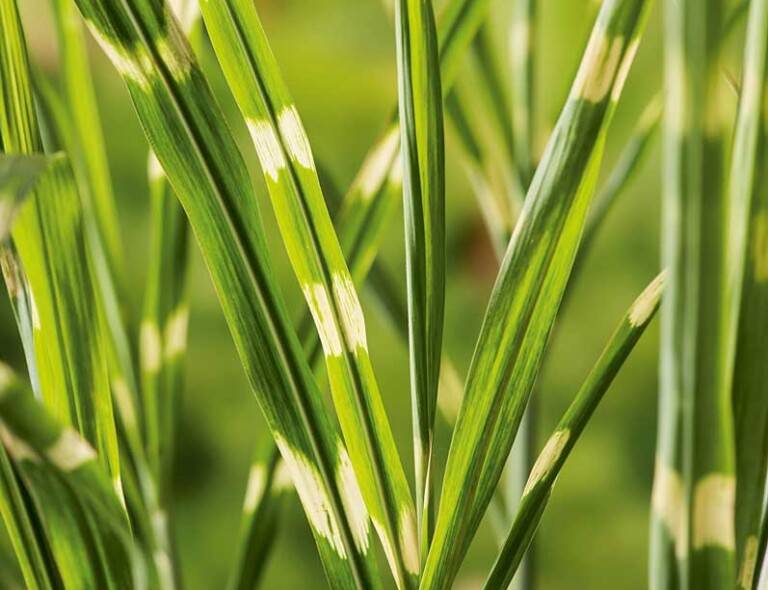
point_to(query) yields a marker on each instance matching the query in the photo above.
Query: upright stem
(691, 538)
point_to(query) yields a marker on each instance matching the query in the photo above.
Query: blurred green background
(338, 58)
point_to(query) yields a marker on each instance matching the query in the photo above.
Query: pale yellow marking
(668, 503)
(176, 332)
(135, 67)
(519, 42)
(34, 311)
(547, 458)
(313, 495)
(624, 68)
(395, 179)
(124, 400)
(155, 170)
(161, 557)
(409, 541)
(374, 171)
(188, 13)
(646, 303)
(352, 318)
(70, 451)
(295, 137)
(677, 89)
(267, 147)
(353, 502)
(320, 306)
(17, 448)
(713, 504)
(282, 480)
(151, 347)
(598, 68)
(255, 488)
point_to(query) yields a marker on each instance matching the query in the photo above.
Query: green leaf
(165, 316)
(423, 160)
(37, 567)
(289, 171)
(18, 125)
(74, 119)
(163, 335)
(148, 518)
(527, 293)
(694, 485)
(494, 88)
(459, 22)
(493, 201)
(50, 239)
(522, 52)
(48, 234)
(71, 490)
(192, 142)
(87, 143)
(560, 444)
(746, 299)
(18, 177)
(268, 482)
(62, 122)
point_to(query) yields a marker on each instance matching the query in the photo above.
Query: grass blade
(191, 140)
(74, 119)
(49, 237)
(267, 484)
(18, 177)
(459, 23)
(165, 314)
(494, 87)
(148, 517)
(76, 495)
(526, 297)
(37, 567)
(88, 152)
(493, 201)
(746, 300)
(694, 484)
(304, 221)
(522, 60)
(559, 446)
(165, 317)
(423, 150)
(622, 173)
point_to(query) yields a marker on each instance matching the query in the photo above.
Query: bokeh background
(338, 58)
